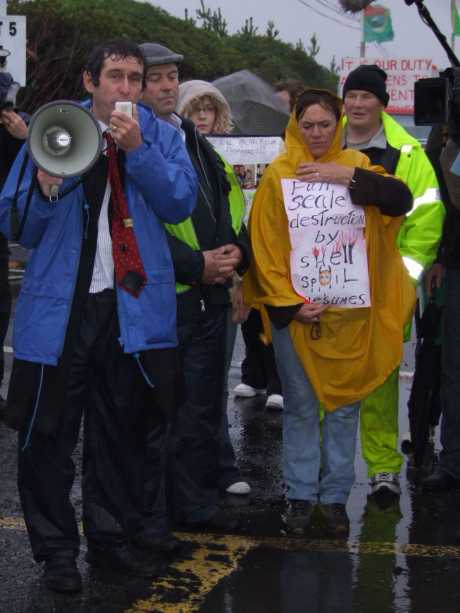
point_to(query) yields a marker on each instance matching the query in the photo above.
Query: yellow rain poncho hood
(358, 348)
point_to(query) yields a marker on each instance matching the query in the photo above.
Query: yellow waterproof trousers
(379, 428)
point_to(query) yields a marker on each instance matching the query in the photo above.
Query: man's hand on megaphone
(125, 130)
(48, 184)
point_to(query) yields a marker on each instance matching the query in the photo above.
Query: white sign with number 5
(13, 39)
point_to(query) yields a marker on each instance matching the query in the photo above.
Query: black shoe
(440, 481)
(120, 558)
(298, 516)
(336, 517)
(2, 408)
(61, 573)
(165, 543)
(384, 500)
(220, 520)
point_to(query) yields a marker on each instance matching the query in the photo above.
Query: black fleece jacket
(211, 220)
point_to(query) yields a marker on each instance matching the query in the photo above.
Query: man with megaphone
(95, 327)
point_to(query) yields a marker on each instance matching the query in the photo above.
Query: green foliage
(313, 49)
(62, 32)
(213, 21)
(271, 31)
(300, 46)
(333, 66)
(187, 18)
(249, 29)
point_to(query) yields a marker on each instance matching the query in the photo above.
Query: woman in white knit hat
(205, 105)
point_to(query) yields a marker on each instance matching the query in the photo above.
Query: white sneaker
(240, 488)
(247, 391)
(275, 401)
(385, 482)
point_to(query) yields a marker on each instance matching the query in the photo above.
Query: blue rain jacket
(160, 187)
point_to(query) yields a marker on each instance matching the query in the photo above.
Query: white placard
(249, 156)
(13, 39)
(248, 149)
(328, 256)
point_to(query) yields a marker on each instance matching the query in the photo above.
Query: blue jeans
(450, 377)
(303, 456)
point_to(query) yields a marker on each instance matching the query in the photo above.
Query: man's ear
(88, 82)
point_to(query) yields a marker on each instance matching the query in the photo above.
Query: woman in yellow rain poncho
(331, 355)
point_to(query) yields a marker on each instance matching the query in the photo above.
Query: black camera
(437, 101)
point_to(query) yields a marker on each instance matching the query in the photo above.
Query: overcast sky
(294, 19)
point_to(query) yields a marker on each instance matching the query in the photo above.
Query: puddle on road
(189, 581)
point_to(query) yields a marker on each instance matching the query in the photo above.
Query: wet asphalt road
(401, 556)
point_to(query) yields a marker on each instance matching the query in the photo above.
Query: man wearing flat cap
(157, 55)
(207, 249)
(385, 142)
(162, 81)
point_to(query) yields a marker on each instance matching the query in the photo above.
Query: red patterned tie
(129, 270)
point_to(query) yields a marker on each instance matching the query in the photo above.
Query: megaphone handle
(54, 193)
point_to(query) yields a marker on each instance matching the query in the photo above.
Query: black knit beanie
(370, 78)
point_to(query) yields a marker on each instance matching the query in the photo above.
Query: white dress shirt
(103, 269)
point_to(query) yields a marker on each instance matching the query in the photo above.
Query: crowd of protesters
(138, 276)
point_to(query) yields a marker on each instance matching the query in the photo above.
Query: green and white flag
(377, 25)
(455, 7)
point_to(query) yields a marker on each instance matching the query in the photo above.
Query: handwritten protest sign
(249, 156)
(402, 73)
(328, 248)
(247, 149)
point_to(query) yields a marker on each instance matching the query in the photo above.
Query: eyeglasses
(208, 108)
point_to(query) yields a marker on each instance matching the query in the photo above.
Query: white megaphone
(64, 140)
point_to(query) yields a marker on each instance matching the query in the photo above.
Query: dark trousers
(196, 429)
(258, 368)
(107, 387)
(450, 376)
(5, 303)
(228, 470)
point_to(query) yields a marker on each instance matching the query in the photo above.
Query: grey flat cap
(156, 54)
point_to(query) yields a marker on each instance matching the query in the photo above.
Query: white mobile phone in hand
(125, 107)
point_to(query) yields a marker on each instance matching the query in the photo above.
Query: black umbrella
(255, 108)
(423, 401)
